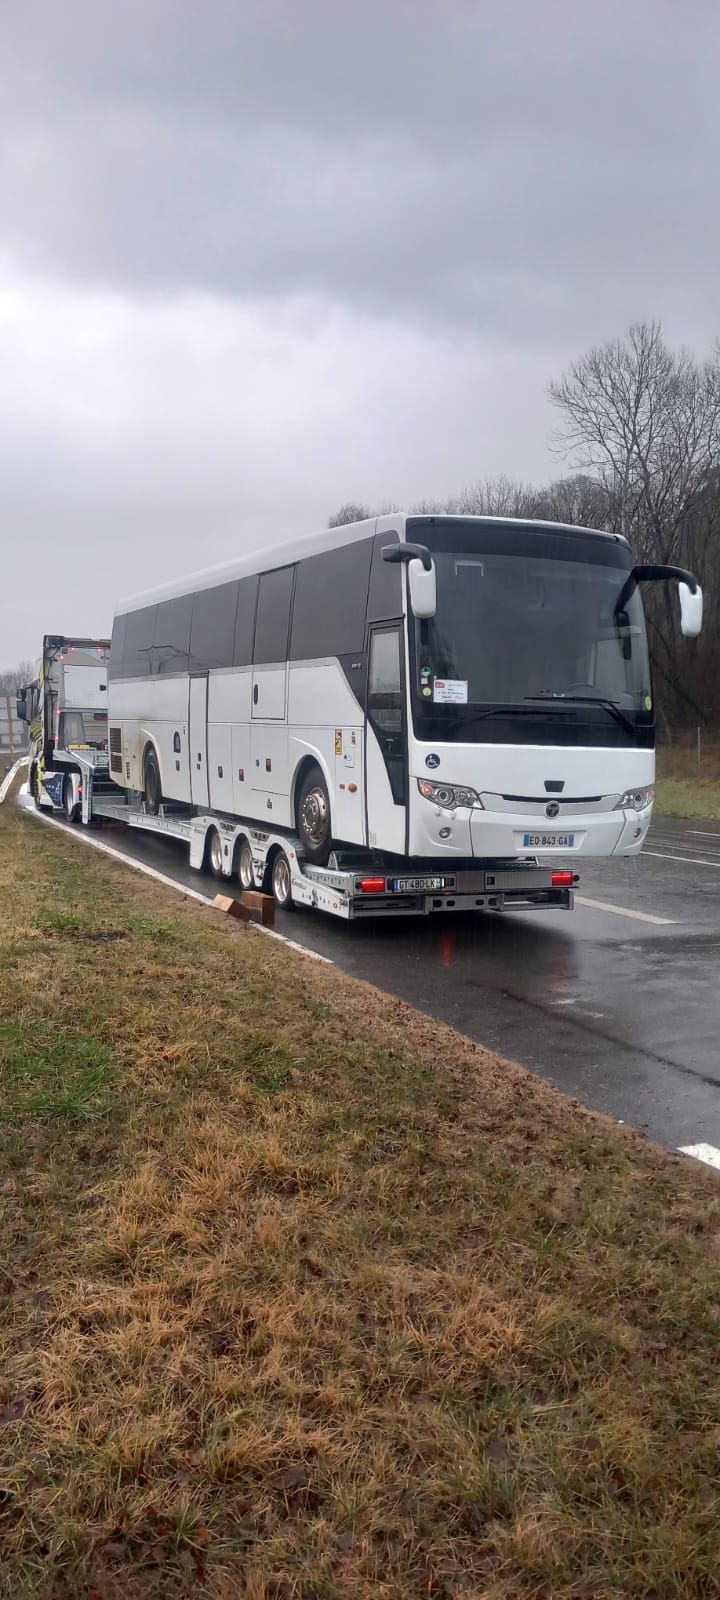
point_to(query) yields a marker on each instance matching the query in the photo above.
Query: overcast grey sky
(259, 258)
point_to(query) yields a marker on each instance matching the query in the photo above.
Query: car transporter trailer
(353, 884)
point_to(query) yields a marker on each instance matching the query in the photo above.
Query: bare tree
(14, 678)
(644, 422)
(350, 512)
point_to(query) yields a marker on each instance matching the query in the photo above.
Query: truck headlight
(636, 799)
(448, 795)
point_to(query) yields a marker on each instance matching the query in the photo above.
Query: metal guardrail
(13, 733)
(6, 784)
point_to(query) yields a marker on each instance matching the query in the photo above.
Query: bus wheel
(72, 807)
(246, 872)
(153, 790)
(282, 882)
(214, 853)
(34, 788)
(313, 817)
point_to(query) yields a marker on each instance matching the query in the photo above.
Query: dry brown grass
(306, 1296)
(686, 786)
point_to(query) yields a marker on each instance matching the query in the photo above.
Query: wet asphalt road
(620, 1010)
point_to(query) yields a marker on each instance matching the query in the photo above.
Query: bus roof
(282, 555)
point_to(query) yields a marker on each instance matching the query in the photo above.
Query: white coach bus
(433, 688)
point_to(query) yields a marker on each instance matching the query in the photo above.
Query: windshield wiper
(511, 710)
(587, 700)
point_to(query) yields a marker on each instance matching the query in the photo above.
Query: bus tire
(314, 823)
(281, 882)
(152, 786)
(71, 807)
(214, 853)
(246, 871)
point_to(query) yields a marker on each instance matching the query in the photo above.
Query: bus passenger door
(386, 741)
(197, 728)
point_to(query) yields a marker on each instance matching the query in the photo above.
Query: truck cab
(65, 710)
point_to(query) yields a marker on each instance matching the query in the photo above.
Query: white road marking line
(170, 883)
(681, 852)
(690, 861)
(624, 911)
(702, 1152)
(703, 833)
(670, 841)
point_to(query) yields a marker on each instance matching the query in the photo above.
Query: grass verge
(684, 789)
(304, 1296)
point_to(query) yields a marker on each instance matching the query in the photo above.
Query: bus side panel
(228, 709)
(153, 711)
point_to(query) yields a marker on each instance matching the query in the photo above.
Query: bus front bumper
(503, 835)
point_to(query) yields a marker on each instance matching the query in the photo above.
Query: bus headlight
(448, 796)
(636, 799)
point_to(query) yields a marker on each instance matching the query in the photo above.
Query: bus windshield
(512, 629)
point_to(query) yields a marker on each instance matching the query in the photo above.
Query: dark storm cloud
(488, 166)
(260, 258)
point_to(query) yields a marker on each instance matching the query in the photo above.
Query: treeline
(13, 678)
(639, 427)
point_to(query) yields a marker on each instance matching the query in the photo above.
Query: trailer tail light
(371, 885)
(564, 880)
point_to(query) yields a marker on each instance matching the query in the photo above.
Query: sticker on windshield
(450, 691)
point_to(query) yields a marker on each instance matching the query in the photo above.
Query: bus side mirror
(21, 708)
(422, 589)
(691, 610)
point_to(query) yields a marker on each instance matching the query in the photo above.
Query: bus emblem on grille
(553, 809)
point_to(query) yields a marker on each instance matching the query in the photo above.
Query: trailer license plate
(548, 841)
(410, 885)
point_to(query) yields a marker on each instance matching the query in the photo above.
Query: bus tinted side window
(172, 635)
(117, 647)
(385, 705)
(245, 622)
(213, 627)
(385, 593)
(385, 700)
(139, 633)
(330, 601)
(272, 622)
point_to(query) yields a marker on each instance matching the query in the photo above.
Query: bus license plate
(548, 841)
(410, 885)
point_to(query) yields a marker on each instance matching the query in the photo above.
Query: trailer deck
(354, 884)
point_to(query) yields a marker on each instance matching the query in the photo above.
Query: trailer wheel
(246, 872)
(71, 807)
(313, 817)
(281, 881)
(214, 853)
(153, 789)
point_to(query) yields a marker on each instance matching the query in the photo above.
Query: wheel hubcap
(281, 880)
(315, 816)
(216, 852)
(247, 876)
